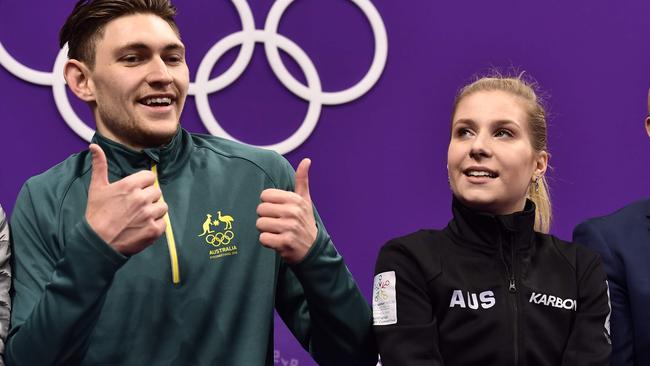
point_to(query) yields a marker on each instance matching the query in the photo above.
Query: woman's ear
(77, 75)
(541, 164)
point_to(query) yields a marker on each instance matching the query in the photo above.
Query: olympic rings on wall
(203, 85)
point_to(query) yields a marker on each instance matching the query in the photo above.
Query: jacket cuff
(322, 238)
(92, 246)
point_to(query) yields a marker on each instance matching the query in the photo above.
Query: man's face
(139, 81)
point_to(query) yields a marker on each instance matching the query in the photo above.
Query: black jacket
(488, 290)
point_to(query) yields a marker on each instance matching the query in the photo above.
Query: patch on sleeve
(384, 300)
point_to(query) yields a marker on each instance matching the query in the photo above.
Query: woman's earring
(536, 184)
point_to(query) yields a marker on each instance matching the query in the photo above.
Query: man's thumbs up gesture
(286, 219)
(126, 214)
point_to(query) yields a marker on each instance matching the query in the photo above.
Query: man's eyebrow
(174, 47)
(139, 46)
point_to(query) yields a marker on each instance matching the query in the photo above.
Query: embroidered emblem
(220, 237)
(384, 300)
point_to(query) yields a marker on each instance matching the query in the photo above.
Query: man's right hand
(127, 214)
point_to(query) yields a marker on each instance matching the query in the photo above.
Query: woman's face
(491, 160)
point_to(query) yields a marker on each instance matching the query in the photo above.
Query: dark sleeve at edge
(591, 236)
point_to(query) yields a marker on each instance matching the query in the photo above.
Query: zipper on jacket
(510, 273)
(513, 283)
(512, 289)
(169, 233)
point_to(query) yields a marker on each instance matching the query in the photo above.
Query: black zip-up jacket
(488, 290)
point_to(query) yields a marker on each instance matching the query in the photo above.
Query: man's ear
(77, 75)
(647, 125)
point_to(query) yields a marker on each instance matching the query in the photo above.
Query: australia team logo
(218, 233)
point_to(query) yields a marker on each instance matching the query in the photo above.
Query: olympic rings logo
(203, 85)
(220, 238)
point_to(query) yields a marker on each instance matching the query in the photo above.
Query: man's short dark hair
(85, 26)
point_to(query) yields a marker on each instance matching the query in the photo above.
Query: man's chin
(152, 138)
(157, 139)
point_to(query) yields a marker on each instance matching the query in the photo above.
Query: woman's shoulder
(420, 250)
(423, 239)
(577, 255)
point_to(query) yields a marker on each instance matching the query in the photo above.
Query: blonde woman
(492, 288)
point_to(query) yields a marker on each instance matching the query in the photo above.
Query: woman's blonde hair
(516, 85)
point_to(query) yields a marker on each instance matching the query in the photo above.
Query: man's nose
(159, 73)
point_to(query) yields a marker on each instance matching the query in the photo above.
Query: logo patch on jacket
(219, 234)
(553, 301)
(384, 299)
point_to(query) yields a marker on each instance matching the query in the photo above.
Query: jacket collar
(489, 232)
(124, 161)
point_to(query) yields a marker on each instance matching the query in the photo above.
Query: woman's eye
(463, 132)
(503, 133)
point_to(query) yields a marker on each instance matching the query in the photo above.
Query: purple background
(379, 162)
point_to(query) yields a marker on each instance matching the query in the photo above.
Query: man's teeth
(158, 101)
(475, 173)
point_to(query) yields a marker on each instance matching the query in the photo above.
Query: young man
(623, 241)
(159, 247)
(5, 282)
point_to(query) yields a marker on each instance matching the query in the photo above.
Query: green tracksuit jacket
(79, 302)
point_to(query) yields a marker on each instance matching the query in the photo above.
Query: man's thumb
(99, 176)
(302, 179)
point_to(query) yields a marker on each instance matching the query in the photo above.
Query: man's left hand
(286, 219)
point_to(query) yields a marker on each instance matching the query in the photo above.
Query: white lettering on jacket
(485, 300)
(554, 301)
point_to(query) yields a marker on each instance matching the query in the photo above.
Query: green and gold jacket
(204, 294)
